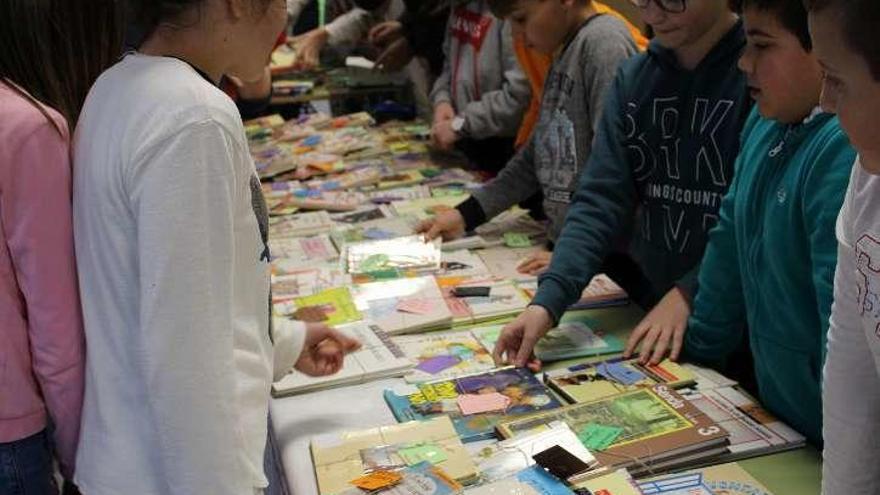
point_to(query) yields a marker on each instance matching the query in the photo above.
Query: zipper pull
(777, 149)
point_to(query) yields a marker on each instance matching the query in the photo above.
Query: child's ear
(236, 9)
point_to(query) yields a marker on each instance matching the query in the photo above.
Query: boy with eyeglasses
(661, 161)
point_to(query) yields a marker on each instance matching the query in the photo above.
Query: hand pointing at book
(448, 223)
(324, 350)
(516, 344)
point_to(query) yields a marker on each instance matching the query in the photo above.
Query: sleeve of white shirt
(352, 26)
(851, 389)
(289, 337)
(183, 194)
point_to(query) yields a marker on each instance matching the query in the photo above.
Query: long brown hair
(55, 49)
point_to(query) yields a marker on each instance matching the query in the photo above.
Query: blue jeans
(26, 467)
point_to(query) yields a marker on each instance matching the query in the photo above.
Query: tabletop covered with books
(421, 407)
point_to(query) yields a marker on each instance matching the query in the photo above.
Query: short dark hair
(55, 49)
(791, 14)
(503, 8)
(859, 19)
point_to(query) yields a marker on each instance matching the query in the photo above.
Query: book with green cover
(590, 381)
(576, 336)
(652, 427)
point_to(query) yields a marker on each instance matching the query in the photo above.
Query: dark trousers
(26, 466)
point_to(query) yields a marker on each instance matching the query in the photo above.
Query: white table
(296, 419)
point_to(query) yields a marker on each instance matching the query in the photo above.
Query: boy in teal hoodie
(661, 161)
(770, 261)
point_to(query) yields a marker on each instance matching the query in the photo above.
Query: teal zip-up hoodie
(661, 161)
(770, 263)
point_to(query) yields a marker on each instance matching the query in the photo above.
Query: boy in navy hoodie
(661, 161)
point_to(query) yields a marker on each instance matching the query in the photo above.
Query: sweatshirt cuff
(440, 96)
(551, 296)
(472, 212)
(688, 284)
(289, 337)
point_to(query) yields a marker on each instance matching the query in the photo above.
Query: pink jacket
(42, 348)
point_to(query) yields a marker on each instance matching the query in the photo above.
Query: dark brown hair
(791, 14)
(859, 21)
(503, 8)
(55, 49)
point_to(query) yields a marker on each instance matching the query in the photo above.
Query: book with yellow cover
(336, 304)
(342, 457)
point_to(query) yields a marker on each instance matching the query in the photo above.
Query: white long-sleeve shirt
(349, 28)
(174, 278)
(851, 390)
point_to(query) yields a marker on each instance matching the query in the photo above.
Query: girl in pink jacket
(52, 53)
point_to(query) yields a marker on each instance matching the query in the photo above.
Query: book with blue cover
(526, 395)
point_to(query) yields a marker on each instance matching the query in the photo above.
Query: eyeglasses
(672, 6)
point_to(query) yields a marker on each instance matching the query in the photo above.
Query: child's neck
(187, 45)
(690, 55)
(575, 21)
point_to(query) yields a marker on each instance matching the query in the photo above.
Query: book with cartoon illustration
(596, 380)
(575, 336)
(378, 357)
(523, 394)
(444, 355)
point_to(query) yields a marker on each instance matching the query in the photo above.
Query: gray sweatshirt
(481, 77)
(570, 110)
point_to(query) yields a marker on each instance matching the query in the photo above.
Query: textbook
(650, 429)
(421, 479)
(302, 251)
(530, 481)
(587, 382)
(508, 457)
(602, 292)
(618, 482)
(342, 457)
(290, 282)
(425, 208)
(504, 299)
(522, 394)
(403, 305)
(410, 254)
(335, 307)
(373, 230)
(724, 479)
(576, 336)
(377, 358)
(462, 263)
(444, 355)
(753, 430)
(301, 225)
